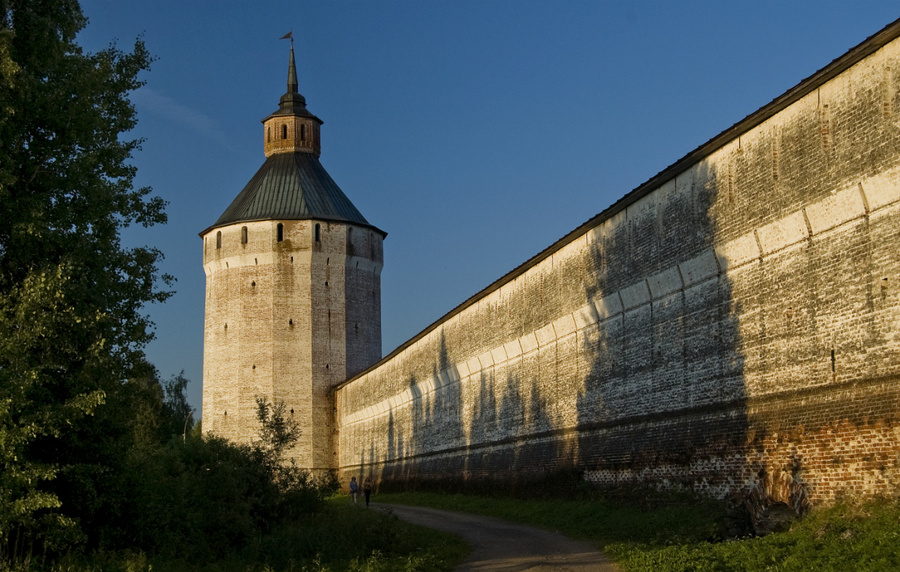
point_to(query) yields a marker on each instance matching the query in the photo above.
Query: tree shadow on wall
(499, 438)
(434, 419)
(665, 401)
(660, 389)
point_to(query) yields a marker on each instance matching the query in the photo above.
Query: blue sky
(475, 133)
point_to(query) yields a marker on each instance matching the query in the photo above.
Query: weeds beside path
(686, 534)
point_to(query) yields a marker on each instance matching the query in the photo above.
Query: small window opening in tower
(318, 233)
(284, 131)
(302, 132)
(243, 235)
(280, 232)
(268, 134)
(219, 240)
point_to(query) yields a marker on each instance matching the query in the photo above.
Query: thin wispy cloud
(161, 105)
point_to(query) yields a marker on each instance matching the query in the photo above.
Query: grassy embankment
(682, 535)
(341, 538)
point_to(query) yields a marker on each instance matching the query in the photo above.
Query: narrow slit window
(219, 240)
(243, 235)
(318, 233)
(303, 133)
(284, 131)
(280, 232)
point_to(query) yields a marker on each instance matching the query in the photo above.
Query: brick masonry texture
(735, 326)
(288, 320)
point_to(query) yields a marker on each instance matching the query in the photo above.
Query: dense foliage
(97, 454)
(73, 379)
(198, 497)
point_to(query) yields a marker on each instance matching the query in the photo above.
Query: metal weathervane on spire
(288, 36)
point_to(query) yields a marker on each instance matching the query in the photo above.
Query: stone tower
(293, 291)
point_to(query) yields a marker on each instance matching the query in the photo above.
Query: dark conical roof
(291, 186)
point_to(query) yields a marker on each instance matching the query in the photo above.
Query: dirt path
(500, 546)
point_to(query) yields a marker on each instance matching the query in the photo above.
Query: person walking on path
(354, 488)
(367, 489)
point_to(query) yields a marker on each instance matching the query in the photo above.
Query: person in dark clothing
(367, 489)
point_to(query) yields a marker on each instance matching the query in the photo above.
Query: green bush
(196, 496)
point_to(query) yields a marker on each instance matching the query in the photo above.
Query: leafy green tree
(298, 491)
(178, 412)
(277, 432)
(72, 324)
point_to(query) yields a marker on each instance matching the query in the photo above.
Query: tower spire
(292, 72)
(292, 128)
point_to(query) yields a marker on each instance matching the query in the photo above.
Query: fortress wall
(734, 324)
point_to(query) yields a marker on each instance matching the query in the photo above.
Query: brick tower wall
(275, 325)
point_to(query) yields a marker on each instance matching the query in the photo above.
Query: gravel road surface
(500, 546)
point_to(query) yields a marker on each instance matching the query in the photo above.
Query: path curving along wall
(733, 323)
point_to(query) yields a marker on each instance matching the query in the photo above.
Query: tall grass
(851, 536)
